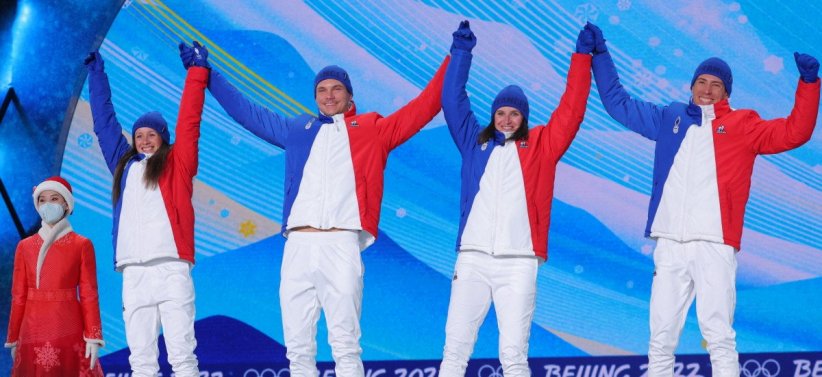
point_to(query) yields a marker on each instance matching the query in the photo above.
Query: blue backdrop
(592, 293)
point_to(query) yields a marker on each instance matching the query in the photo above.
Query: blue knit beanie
(512, 96)
(336, 73)
(717, 67)
(155, 121)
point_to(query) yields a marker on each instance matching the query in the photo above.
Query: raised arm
(639, 116)
(109, 132)
(191, 110)
(264, 123)
(566, 119)
(456, 106)
(398, 127)
(19, 293)
(779, 135)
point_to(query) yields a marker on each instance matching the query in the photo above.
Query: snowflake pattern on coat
(47, 356)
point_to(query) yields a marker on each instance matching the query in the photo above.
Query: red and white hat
(58, 184)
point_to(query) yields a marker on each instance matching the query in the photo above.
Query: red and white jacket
(704, 155)
(507, 186)
(151, 224)
(334, 165)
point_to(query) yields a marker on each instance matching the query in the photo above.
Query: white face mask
(51, 213)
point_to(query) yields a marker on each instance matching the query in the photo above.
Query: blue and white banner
(751, 365)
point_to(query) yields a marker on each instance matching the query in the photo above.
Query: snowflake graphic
(47, 356)
(644, 78)
(85, 140)
(139, 54)
(773, 64)
(248, 228)
(623, 5)
(586, 12)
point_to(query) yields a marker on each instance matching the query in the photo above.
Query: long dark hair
(154, 167)
(488, 132)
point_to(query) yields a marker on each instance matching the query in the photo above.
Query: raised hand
(808, 67)
(196, 55)
(599, 39)
(94, 62)
(585, 42)
(464, 38)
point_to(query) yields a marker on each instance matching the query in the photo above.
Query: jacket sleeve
(566, 119)
(639, 116)
(19, 293)
(89, 301)
(264, 123)
(456, 106)
(398, 127)
(109, 132)
(783, 134)
(189, 118)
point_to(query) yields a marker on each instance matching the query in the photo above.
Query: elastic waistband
(35, 294)
(341, 236)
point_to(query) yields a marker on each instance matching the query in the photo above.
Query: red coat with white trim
(52, 317)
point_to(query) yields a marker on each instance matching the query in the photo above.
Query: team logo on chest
(354, 124)
(720, 129)
(484, 146)
(523, 144)
(308, 124)
(676, 124)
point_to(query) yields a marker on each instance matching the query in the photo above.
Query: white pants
(322, 270)
(703, 269)
(479, 279)
(154, 295)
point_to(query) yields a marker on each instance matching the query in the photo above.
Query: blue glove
(193, 56)
(585, 42)
(94, 62)
(599, 40)
(186, 54)
(464, 38)
(808, 67)
(200, 55)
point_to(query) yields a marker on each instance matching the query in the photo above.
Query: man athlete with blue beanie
(703, 162)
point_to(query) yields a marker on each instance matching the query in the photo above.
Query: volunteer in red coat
(508, 175)
(703, 162)
(333, 190)
(154, 219)
(53, 331)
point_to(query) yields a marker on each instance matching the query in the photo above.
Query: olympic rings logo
(768, 368)
(490, 371)
(267, 372)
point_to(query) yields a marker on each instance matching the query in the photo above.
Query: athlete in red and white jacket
(153, 219)
(703, 163)
(508, 175)
(333, 192)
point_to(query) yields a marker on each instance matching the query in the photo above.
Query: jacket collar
(719, 109)
(49, 234)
